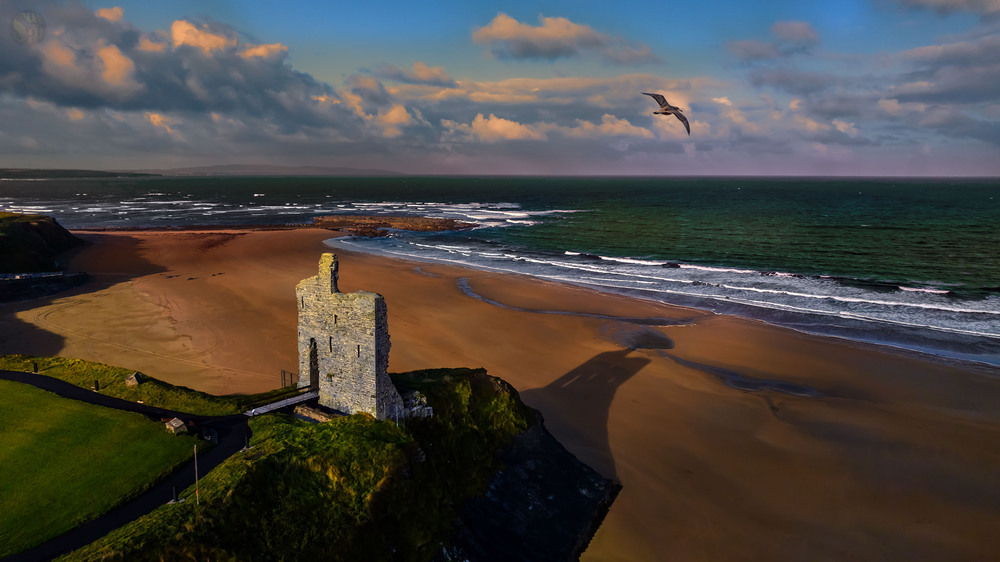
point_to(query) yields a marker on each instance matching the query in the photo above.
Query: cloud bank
(100, 92)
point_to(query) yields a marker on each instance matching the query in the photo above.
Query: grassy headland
(41, 173)
(353, 488)
(30, 243)
(64, 462)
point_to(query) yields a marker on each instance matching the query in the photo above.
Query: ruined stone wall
(344, 345)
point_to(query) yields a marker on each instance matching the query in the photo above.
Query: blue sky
(853, 87)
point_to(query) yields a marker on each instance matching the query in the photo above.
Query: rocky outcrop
(30, 243)
(378, 225)
(544, 505)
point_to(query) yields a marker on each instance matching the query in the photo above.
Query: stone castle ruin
(344, 348)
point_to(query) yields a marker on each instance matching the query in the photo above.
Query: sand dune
(734, 440)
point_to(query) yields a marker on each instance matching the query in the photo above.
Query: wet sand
(733, 439)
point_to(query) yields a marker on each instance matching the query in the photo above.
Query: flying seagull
(667, 109)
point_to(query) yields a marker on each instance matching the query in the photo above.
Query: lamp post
(197, 500)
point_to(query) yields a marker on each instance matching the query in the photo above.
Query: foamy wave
(717, 269)
(634, 261)
(934, 291)
(859, 300)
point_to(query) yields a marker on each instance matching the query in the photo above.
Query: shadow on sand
(593, 384)
(20, 337)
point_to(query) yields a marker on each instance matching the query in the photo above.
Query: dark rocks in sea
(379, 225)
(33, 285)
(30, 249)
(544, 505)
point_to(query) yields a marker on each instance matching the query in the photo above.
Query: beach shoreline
(923, 341)
(733, 438)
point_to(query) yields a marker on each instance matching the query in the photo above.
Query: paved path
(233, 432)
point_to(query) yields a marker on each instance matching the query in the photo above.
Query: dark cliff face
(31, 243)
(543, 505)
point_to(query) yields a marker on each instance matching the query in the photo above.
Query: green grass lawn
(63, 462)
(349, 489)
(152, 391)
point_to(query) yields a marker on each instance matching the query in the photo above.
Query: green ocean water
(941, 233)
(875, 253)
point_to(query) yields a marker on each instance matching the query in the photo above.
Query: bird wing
(659, 99)
(683, 120)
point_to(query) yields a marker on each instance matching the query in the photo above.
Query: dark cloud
(793, 81)
(370, 90)
(791, 38)
(626, 54)
(964, 72)
(981, 7)
(753, 50)
(797, 34)
(87, 61)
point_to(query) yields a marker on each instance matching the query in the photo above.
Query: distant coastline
(225, 170)
(40, 173)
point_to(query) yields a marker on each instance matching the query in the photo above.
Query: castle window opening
(331, 343)
(359, 351)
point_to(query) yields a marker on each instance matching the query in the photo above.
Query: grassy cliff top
(152, 392)
(31, 243)
(349, 489)
(65, 462)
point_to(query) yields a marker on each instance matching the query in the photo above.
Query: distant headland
(207, 171)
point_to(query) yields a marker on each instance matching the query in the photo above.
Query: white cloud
(392, 120)
(809, 125)
(110, 14)
(163, 122)
(844, 127)
(148, 45)
(118, 68)
(421, 74)
(610, 126)
(493, 128)
(556, 37)
(263, 51)
(184, 32)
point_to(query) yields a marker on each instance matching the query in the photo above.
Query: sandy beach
(733, 439)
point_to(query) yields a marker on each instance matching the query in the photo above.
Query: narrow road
(233, 432)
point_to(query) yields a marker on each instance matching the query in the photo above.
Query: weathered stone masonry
(344, 346)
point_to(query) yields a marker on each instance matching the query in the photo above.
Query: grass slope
(350, 489)
(151, 391)
(64, 462)
(30, 243)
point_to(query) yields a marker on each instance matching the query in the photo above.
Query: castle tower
(344, 345)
